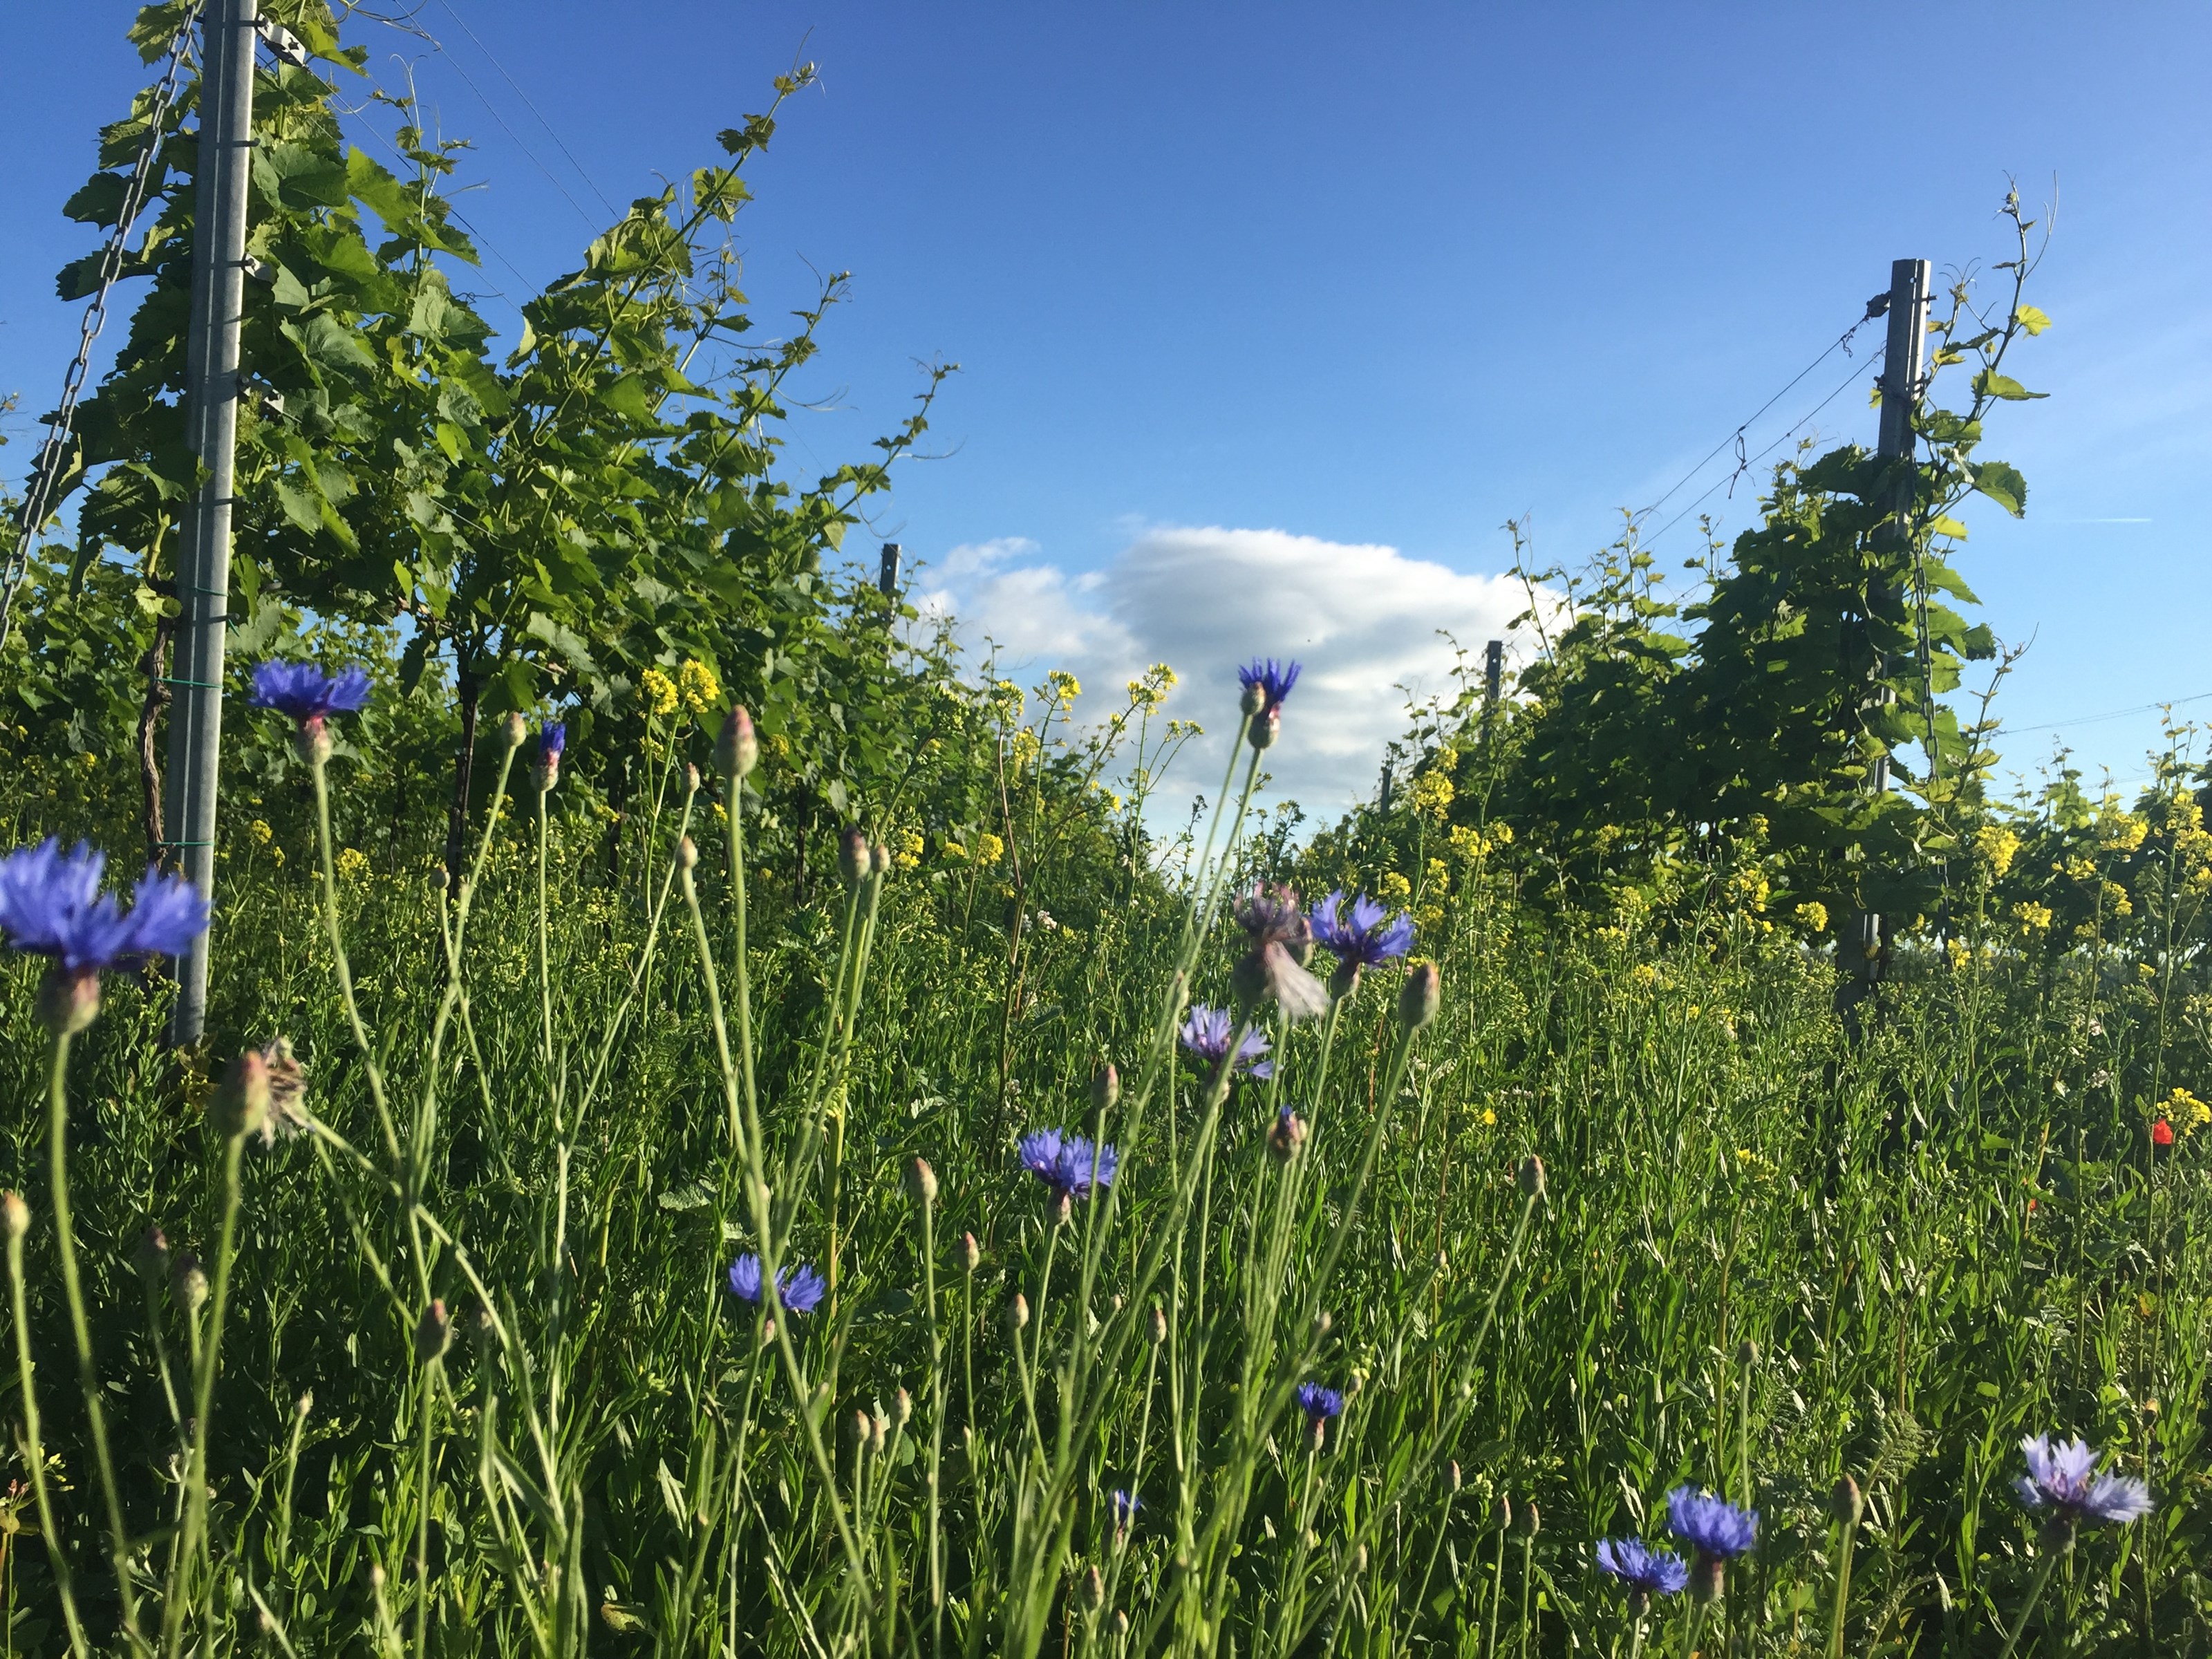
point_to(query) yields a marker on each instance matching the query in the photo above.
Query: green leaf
(1991, 384)
(2031, 319)
(294, 177)
(2002, 484)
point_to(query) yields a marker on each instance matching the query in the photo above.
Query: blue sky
(1269, 317)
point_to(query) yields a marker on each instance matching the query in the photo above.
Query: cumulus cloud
(1363, 619)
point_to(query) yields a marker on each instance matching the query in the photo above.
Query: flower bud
(856, 1432)
(853, 860)
(1746, 1351)
(188, 1281)
(878, 1431)
(1535, 1520)
(1418, 995)
(1018, 1312)
(1121, 1626)
(1288, 1134)
(902, 1409)
(921, 1181)
(1105, 1088)
(1846, 1502)
(433, 1332)
(1451, 1474)
(1063, 1206)
(153, 1255)
(512, 730)
(14, 1216)
(737, 750)
(311, 741)
(879, 860)
(690, 779)
(971, 1254)
(1530, 1179)
(242, 1099)
(1709, 1578)
(1264, 730)
(304, 1406)
(1094, 1588)
(1359, 1557)
(68, 1002)
(1255, 700)
(1159, 1325)
(1504, 1512)
(1322, 1321)
(687, 853)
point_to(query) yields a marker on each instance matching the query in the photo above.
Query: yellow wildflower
(1432, 794)
(905, 848)
(260, 832)
(1007, 701)
(696, 684)
(989, 849)
(1644, 974)
(1466, 841)
(1997, 847)
(1813, 916)
(659, 692)
(1062, 687)
(1428, 918)
(1394, 888)
(956, 851)
(2123, 830)
(2031, 917)
(352, 863)
(1489, 1117)
(1501, 834)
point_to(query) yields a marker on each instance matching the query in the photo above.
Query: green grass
(1764, 1255)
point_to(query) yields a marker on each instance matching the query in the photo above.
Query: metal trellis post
(218, 299)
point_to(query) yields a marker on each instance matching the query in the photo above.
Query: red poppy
(2162, 1134)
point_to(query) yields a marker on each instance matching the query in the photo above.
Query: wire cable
(2109, 714)
(550, 131)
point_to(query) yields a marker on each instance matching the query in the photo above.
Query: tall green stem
(34, 1447)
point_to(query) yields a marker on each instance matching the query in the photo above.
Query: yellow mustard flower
(1489, 1117)
(1062, 687)
(259, 833)
(1813, 916)
(352, 863)
(696, 684)
(2031, 917)
(1997, 847)
(1394, 888)
(1433, 792)
(906, 849)
(658, 693)
(989, 849)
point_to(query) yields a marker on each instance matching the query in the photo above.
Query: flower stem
(34, 1450)
(2034, 1594)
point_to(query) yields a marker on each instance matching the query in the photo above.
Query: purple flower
(51, 905)
(1319, 1404)
(1268, 683)
(306, 693)
(1206, 1034)
(1645, 1570)
(2062, 1479)
(552, 739)
(1274, 967)
(1069, 1164)
(797, 1288)
(1125, 1506)
(1709, 1524)
(1370, 939)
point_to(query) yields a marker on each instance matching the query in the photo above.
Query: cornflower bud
(921, 1181)
(188, 1281)
(737, 750)
(687, 853)
(15, 1215)
(1451, 1472)
(512, 730)
(1746, 1351)
(878, 1431)
(879, 860)
(971, 1254)
(310, 741)
(1504, 1512)
(1105, 1088)
(1535, 1520)
(852, 857)
(856, 1432)
(1846, 1502)
(902, 1409)
(1063, 1206)
(690, 779)
(1265, 729)
(1418, 995)
(1531, 1176)
(68, 1002)
(1017, 1311)
(1094, 1588)
(242, 1100)
(1287, 1136)
(1255, 699)
(434, 1331)
(153, 1255)
(1121, 1626)
(1159, 1325)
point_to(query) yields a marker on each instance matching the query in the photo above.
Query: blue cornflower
(1125, 1506)
(51, 905)
(306, 693)
(2062, 1479)
(798, 1288)
(1069, 1164)
(1319, 1404)
(1372, 937)
(1266, 685)
(545, 763)
(1715, 1528)
(1206, 1034)
(1647, 1572)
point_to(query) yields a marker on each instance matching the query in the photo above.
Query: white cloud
(1364, 620)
